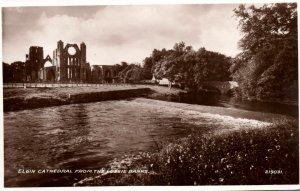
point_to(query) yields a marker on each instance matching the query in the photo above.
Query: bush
(235, 158)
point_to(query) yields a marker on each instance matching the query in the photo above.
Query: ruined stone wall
(104, 74)
(34, 62)
(68, 65)
(47, 74)
(70, 62)
(109, 73)
(96, 74)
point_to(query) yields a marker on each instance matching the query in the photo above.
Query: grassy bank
(63, 92)
(19, 98)
(234, 158)
(47, 99)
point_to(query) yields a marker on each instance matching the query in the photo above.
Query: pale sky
(119, 33)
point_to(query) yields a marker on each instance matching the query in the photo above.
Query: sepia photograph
(150, 95)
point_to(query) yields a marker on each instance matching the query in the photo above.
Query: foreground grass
(235, 158)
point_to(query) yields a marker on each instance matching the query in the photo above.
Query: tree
(171, 64)
(150, 62)
(7, 72)
(134, 74)
(267, 67)
(147, 68)
(131, 72)
(18, 71)
(189, 68)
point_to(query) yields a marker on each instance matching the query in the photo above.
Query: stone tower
(59, 62)
(83, 65)
(70, 62)
(34, 62)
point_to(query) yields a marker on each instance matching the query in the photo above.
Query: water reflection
(87, 136)
(80, 136)
(214, 99)
(270, 107)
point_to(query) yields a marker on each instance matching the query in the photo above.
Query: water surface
(81, 136)
(88, 136)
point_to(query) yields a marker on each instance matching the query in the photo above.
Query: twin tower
(70, 62)
(67, 65)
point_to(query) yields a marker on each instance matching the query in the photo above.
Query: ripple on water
(90, 135)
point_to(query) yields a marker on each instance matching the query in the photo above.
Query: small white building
(164, 81)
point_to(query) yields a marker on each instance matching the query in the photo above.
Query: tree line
(266, 68)
(186, 67)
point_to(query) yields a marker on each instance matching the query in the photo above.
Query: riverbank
(246, 145)
(145, 129)
(29, 98)
(19, 99)
(235, 158)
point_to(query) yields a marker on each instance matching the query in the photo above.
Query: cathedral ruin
(68, 65)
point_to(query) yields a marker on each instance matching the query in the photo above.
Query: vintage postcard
(150, 95)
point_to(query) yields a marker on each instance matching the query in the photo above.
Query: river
(88, 136)
(212, 99)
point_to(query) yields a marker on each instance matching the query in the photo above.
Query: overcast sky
(119, 33)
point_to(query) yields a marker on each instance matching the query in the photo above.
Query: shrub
(234, 158)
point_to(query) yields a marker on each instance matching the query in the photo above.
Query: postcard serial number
(271, 171)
